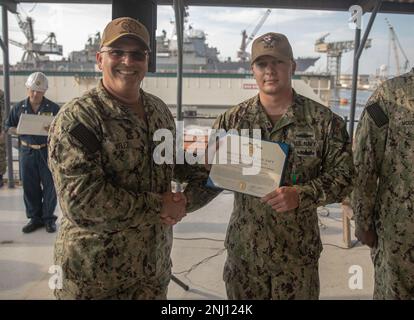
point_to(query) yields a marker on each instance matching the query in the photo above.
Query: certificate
(33, 124)
(259, 169)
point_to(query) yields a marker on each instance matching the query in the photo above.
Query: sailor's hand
(173, 209)
(12, 131)
(179, 196)
(282, 199)
(369, 237)
(46, 128)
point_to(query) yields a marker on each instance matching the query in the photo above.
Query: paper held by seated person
(250, 166)
(34, 124)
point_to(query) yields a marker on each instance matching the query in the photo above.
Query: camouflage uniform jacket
(384, 157)
(319, 164)
(2, 111)
(383, 198)
(111, 235)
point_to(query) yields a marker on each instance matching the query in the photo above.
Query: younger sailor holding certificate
(273, 243)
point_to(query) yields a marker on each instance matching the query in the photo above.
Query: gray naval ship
(208, 82)
(198, 57)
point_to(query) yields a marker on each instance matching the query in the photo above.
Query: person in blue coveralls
(38, 187)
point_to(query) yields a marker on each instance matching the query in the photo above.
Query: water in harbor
(344, 96)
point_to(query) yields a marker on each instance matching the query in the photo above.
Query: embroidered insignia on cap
(270, 40)
(130, 27)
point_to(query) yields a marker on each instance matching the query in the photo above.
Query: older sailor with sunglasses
(118, 210)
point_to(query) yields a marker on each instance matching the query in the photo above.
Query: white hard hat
(37, 81)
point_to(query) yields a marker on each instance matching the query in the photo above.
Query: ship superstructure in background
(198, 56)
(83, 60)
(208, 83)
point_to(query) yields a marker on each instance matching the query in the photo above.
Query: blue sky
(73, 24)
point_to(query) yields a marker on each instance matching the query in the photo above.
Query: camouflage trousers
(291, 282)
(141, 290)
(394, 273)
(3, 162)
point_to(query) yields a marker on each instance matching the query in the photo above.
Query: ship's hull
(208, 90)
(164, 65)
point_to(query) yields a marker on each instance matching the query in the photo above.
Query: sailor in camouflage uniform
(3, 163)
(115, 237)
(273, 243)
(383, 198)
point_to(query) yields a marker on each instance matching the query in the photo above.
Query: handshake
(173, 207)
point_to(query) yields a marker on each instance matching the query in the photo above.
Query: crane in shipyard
(334, 50)
(242, 53)
(33, 51)
(393, 41)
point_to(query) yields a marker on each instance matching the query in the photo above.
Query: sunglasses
(117, 54)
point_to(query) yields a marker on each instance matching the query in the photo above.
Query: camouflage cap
(272, 44)
(125, 27)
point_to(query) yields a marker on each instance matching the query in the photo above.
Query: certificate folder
(33, 124)
(268, 166)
